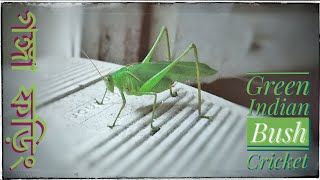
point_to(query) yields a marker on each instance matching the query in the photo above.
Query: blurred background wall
(264, 37)
(233, 38)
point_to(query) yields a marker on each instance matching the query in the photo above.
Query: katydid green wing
(181, 72)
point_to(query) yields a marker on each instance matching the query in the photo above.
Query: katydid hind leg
(173, 93)
(152, 82)
(195, 50)
(123, 104)
(163, 31)
(151, 52)
(100, 103)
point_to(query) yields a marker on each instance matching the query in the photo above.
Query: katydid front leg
(123, 104)
(100, 103)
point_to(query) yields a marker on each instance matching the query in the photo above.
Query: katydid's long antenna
(92, 63)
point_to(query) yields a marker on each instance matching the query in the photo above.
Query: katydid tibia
(152, 77)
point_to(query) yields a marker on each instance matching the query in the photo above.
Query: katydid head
(109, 83)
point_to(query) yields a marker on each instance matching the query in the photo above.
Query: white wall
(250, 37)
(232, 38)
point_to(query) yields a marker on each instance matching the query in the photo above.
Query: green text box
(278, 132)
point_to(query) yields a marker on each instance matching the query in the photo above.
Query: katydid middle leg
(153, 128)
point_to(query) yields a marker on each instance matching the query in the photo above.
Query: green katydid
(152, 77)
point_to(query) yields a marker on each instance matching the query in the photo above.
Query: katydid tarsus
(152, 77)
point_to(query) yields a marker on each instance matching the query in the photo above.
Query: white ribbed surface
(79, 143)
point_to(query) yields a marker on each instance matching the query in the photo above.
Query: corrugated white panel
(79, 143)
